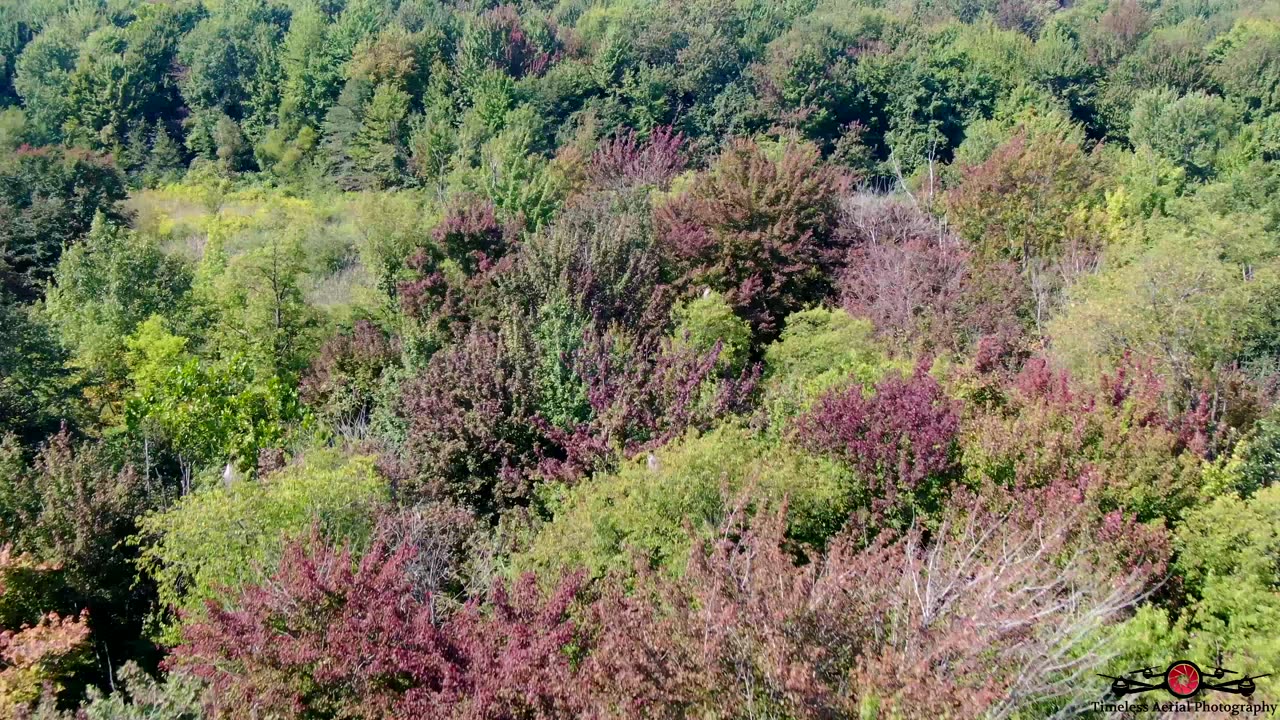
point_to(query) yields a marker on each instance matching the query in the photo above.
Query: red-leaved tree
(758, 229)
(472, 434)
(642, 393)
(1035, 426)
(471, 235)
(901, 439)
(39, 649)
(344, 376)
(1030, 203)
(626, 161)
(329, 637)
(996, 610)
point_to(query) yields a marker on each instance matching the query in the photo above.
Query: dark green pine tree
(165, 163)
(133, 156)
(378, 149)
(342, 125)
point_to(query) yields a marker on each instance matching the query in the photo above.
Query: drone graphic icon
(1182, 679)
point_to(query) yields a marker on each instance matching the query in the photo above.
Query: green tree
(1182, 302)
(931, 94)
(164, 160)
(315, 55)
(204, 413)
(123, 77)
(520, 182)
(17, 27)
(35, 390)
(432, 142)
(310, 80)
(133, 155)
(1228, 553)
(379, 146)
(1168, 58)
(15, 131)
(48, 200)
(105, 287)
(341, 127)
(232, 64)
(1060, 66)
(562, 396)
(231, 146)
(1246, 64)
(138, 696)
(1191, 130)
(1146, 184)
(708, 321)
(43, 71)
(259, 310)
(813, 77)
(819, 350)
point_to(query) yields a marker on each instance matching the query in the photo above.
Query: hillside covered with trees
(716, 359)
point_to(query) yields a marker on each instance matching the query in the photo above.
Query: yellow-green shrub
(819, 350)
(216, 540)
(654, 505)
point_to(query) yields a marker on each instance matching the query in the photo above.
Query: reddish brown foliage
(1036, 427)
(328, 637)
(1120, 28)
(918, 284)
(1017, 203)
(624, 161)
(471, 235)
(344, 375)
(993, 611)
(643, 392)
(758, 230)
(1029, 203)
(441, 300)
(901, 439)
(35, 655)
(516, 52)
(471, 429)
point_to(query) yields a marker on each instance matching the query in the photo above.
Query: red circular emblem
(1183, 678)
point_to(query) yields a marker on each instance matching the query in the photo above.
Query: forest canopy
(558, 359)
